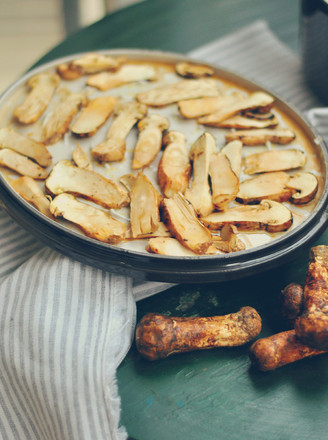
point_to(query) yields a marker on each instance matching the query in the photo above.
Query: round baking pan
(198, 269)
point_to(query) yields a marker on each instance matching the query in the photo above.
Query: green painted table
(212, 394)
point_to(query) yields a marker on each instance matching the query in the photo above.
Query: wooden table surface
(213, 394)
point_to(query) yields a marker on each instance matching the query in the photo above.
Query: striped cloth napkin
(65, 326)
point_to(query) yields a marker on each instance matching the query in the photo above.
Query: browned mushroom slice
(80, 158)
(174, 167)
(191, 70)
(274, 160)
(261, 136)
(113, 148)
(168, 246)
(199, 193)
(144, 207)
(30, 191)
(228, 240)
(305, 186)
(268, 215)
(65, 177)
(59, 120)
(126, 74)
(181, 219)
(258, 115)
(184, 89)
(94, 115)
(21, 164)
(256, 100)
(25, 146)
(224, 181)
(241, 122)
(149, 141)
(43, 86)
(88, 64)
(273, 186)
(194, 108)
(94, 222)
(233, 152)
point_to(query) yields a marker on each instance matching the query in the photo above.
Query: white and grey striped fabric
(65, 327)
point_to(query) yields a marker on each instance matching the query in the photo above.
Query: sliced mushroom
(181, 219)
(30, 191)
(42, 87)
(233, 152)
(194, 108)
(224, 182)
(174, 168)
(126, 74)
(199, 193)
(168, 246)
(258, 115)
(88, 64)
(25, 145)
(256, 100)
(272, 186)
(65, 177)
(59, 120)
(228, 240)
(113, 149)
(261, 136)
(128, 180)
(191, 70)
(21, 164)
(161, 231)
(305, 186)
(94, 222)
(80, 158)
(274, 160)
(144, 207)
(149, 140)
(184, 89)
(94, 115)
(241, 122)
(268, 215)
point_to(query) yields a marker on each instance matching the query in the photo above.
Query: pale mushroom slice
(25, 145)
(94, 222)
(199, 193)
(174, 168)
(144, 207)
(194, 108)
(94, 115)
(128, 73)
(272, 186)
(274, 160)
(149, 140)
(179, 91)
(29, 189)
(269, 215)
(161, 231)
(224, 182)
(228, 240)
(128, 180)
(57, 124)
(113, 148)
(233, 151)
(181, 219)
(81, 158)
(281, 136)
(192, 70)
(66, 177)
(42, 87)
(88, 64)
(168, 246)
(256, 100)
(240, 122)
(305, 186)
(21, 164)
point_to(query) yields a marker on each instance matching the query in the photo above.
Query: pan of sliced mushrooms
(160, 167)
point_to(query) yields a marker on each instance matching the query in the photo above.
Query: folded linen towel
(65, 327)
